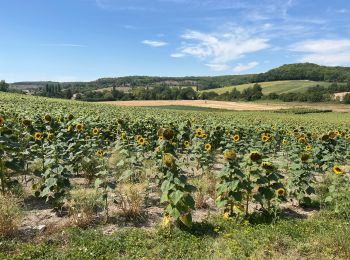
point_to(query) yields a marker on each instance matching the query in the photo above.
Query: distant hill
(278, 87)
(298, 71)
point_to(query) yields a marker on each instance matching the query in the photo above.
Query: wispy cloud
(154, 43)
(220, 48)
(244, 67)
(63, 45)
(177, 55)
(217, 67)
(324, 51)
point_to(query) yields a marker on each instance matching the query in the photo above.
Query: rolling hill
(278, 87)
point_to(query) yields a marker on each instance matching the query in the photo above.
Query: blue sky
(81, 40)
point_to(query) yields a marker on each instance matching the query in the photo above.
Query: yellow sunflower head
(236, 137)
(99, 153)
(347, 136)
(284, 142)
(37, 136)
(50, 136)
(337, 170)
(168, 159)
(160, 138)
(302, 140)
(204, 136)
(207, 147)
(308, 147)
(138, 137)
(267, 166)
(199, 132)
(47, 118)
(187, 143)
(79, 127)
(229, 155)
(280, 192)
(265, 138)
(95, 131)
(141, 141)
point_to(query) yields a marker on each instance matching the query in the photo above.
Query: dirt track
(228, 105)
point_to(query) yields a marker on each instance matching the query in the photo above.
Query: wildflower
(207, 147)
(99, 153)
(236, 138)
(168, 159)
(255, 156)
(79, 127)
(37, 136)
(95, 131)
(229, 155)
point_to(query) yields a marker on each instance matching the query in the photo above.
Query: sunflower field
(255, 163)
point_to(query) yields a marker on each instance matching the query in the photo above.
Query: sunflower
(70, 117)
(168, 159)
(284, 142)
(332, 135)
(165, 221)
(204, 136)
(141, 141)
(267, 166)
(199, 132)
(2, 120)
(325, 137)
(26, 122)
(229, 155)
(347, 136)
(160, 138)
(138, 137)
(79, 127)
(187, 143)
(47, 118)
(280, 192)
(305, 156)
(95, 131)
(337, 170)
(99, 153)
(37, 136)
(264, 138)
(308, 147)
(50, 136)
(207, 147)
(255, 156)
(168, 134)
(236, 138)
(302, 140)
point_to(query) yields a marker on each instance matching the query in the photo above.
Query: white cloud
(220, 48)
(324, 51)
(177, 55)
(154, 43)
(63, 45)
(217, 67)
(243, 67)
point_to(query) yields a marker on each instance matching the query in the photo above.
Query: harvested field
(230, 105)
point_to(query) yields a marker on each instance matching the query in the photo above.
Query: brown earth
(230, 105)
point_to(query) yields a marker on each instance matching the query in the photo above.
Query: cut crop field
(228, 105)
(85, 180)
(278, 87)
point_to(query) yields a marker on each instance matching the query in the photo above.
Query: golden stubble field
(252, 106)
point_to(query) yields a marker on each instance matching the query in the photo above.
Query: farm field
(108, 181)
(278, 87)
(228, 105)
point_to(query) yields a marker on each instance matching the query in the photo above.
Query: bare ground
(251, 106)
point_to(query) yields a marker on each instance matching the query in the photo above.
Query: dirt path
(228, 105)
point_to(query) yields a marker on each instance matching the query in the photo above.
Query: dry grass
(131, 198)
(10, 215)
